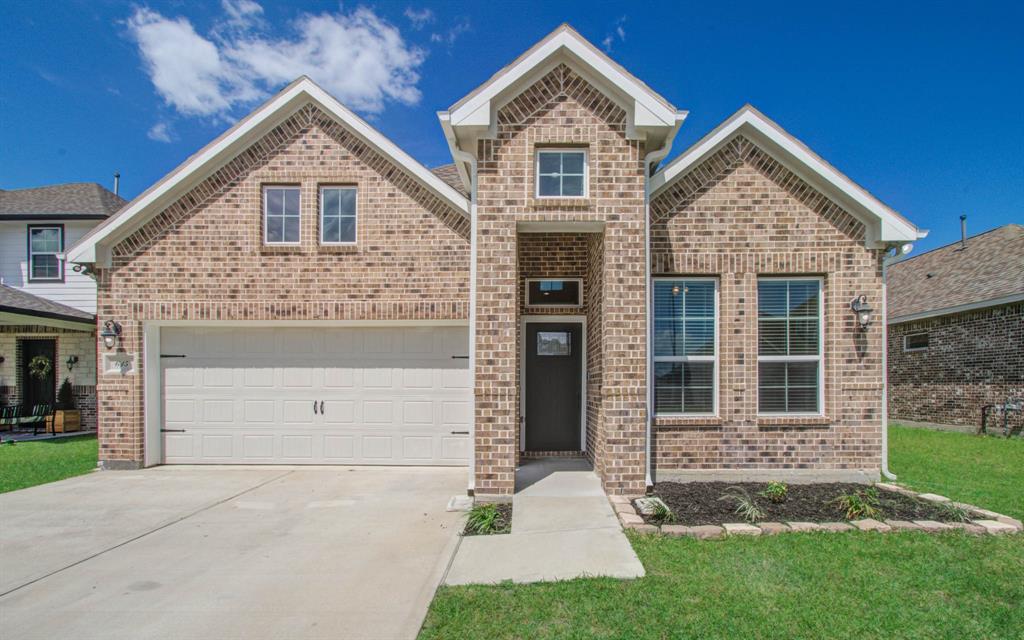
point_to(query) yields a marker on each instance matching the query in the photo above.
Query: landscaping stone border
(985, 522)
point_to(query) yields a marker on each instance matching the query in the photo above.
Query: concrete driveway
(217, 552)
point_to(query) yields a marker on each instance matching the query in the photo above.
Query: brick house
(303, 291)
(46, 307)
(956, 331)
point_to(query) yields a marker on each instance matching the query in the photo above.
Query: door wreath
(39, 367)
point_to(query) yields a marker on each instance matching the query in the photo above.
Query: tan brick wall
(738, 216)
(973, 359)
(560, 109)
(203, 258)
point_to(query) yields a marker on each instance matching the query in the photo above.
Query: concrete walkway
(562, 528)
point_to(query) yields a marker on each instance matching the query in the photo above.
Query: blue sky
(921, 106)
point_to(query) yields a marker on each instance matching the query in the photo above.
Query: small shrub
(954, 513)
(662, 513)
(776, 492)
(66, 396)
(485, 519)
(746, 507)
(859, 504)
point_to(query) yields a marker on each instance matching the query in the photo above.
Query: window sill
(548, 204)
(688, 421)
(794, 421)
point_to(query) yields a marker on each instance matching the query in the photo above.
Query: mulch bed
(696, 503)
(504, 521)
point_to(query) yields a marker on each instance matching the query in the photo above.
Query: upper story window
(45, 243)
(550, 292)
(789, 346)
(685, 346)
(915, 342)
(281, 215)
(337, 215)
(561, 173)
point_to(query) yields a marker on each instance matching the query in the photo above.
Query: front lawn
(867, 585)
(26, 464)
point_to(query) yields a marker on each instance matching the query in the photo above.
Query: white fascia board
(888, 225)
(224, 148)
(477, 112)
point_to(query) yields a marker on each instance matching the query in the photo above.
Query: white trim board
(95, 246)
(883, 224)
(568, 319)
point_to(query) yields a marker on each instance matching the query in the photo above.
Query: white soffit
(884, 225)
(94, 247)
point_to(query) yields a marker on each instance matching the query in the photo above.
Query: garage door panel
(383, 395)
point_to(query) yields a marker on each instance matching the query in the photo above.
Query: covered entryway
(315, 395)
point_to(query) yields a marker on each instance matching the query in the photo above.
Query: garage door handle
(460, 433)
(172, 431)
(322, 408)
(314, 406)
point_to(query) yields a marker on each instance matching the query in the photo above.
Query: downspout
(651, 159)
(899, 250)
(465, 156)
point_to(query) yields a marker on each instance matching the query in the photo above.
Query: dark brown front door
(553, 386)
(38, 391)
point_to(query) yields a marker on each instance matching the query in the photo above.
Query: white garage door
(316, 395)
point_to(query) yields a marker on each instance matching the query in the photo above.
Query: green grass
(864, 585)
(987, 471)
(26, 464)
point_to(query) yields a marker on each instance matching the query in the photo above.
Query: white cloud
(448, 37)
(360, 58)
(160, 132)
(419, 18)
(618, 32)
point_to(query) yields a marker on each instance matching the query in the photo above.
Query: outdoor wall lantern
(71, 362)
(111, 333)
(862, 310)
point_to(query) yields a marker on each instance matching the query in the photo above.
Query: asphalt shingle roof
(17, 301)
(450, 175)
(989, 268)
(86, 199)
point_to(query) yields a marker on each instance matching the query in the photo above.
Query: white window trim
(913, 349)
(355, 216)
(577, 304)
(266, 237)
(586, 171)
(32, 254)
(820, 358)
(714, 359)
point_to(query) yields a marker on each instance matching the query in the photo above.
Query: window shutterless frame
(714, 359)
(537, 172)
(579, 293)
(909, 339)
(354, 216)
(267, 215)
(32, 253)
(819, 358)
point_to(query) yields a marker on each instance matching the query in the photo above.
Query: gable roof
(450, 174)
(988, 271)
(96, 245)
(82, 200)
(883, 224)
(23, 303)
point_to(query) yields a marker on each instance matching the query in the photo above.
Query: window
(44, 246)
(685, 346)
(554, 343)
(562, 173)
(337, 215)
(789, 368)
(915, 342)
(281, 215)
(545, 292)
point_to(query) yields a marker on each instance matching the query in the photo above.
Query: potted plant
(66, 418)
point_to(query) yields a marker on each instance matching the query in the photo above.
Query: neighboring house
(46, 307)
(303, 291)
(956, 331)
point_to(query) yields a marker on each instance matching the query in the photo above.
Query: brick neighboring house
(956, 331)
(303, 291)
(46, 307)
